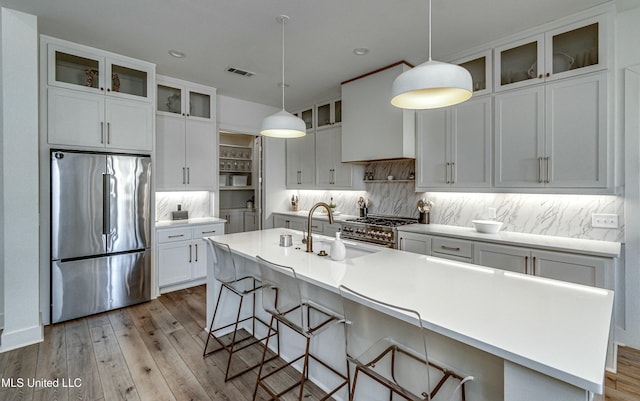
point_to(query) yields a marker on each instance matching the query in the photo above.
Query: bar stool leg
(233, 340)
(213, 319)
(264, 355)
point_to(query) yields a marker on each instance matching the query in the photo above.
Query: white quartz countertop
(556, 328)
(189, 222)
(564, 244)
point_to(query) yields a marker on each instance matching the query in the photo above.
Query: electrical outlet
(604, 220)
(493, 213)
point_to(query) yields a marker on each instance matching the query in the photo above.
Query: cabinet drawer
(452, 247)
(207, 231)
(174, 234)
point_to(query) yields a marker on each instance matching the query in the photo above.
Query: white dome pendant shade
(431, 84)
(283, 124)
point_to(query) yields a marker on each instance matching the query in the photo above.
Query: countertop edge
(198, 221)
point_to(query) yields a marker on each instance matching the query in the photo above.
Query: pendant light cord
(429, 2)
(283, 21)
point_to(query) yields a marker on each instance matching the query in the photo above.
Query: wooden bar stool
(405, 371)
(226, 272)
(282, 299)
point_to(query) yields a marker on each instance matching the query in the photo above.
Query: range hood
(372, 128)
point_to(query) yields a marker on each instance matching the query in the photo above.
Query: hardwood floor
(153, 351)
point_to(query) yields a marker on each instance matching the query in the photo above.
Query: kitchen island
(522, 337)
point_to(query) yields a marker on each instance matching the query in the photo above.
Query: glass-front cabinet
(479, 66)
(329, 114)
(77, 69)
(174, 99)
(307, 116)
(575, 49)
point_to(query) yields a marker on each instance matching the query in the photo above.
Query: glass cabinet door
(306, 116)
(169, 99)
(520, 63)
(75, 69)
(479, 66)
(199, 105)
(576, 49)
(128, 80)
(329, 114)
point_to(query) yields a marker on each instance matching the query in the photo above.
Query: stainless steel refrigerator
(100, 232)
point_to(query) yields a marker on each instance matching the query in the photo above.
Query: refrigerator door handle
(106, 204)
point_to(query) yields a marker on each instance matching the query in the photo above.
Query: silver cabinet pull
(176, 236)
(188, 175)
(208, 232)
(526, 264)
(548, 176)
(450, 248)
(190, 253)
(534, 266)
(184, 176)
(540, 169)
(446, 173)
(453, 172)
(108, 133)
(101, 131)
(196, 252)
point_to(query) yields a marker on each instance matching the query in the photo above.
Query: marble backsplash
(558, 215)
(197, 203)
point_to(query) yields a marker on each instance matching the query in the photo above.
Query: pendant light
(283, 124)
(431, 84)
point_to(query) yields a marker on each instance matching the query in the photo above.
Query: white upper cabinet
(97, 99)
(186, 136)
(454, 147)
(180, 98)
(301, 162)
(97, 72)
(578, 48)
(307, 116)
(554, 135)
(330, 171)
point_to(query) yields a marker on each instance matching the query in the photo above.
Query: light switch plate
(604, 220)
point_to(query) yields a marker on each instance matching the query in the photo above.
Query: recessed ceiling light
(177, 53)
(360, 51)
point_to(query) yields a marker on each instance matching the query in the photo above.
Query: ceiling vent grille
(240, 72)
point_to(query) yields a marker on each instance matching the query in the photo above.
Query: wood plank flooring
(153, 351)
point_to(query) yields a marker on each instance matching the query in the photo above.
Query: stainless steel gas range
(375, 229)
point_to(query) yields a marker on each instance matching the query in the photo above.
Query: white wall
(20, 179)
(627, 123)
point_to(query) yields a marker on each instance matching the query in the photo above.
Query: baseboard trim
(21, 338)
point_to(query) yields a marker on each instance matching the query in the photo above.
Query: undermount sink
(352, 251)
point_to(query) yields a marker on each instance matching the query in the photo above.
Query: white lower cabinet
(182, 255)
(578, 269)
(415, 243)
(235, 221)
(300, 224)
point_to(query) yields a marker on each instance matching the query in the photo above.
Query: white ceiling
(320, 37)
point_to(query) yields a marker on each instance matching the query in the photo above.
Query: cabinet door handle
(208, 232)
(176, 236)
(548, 176)
(453, 172)
(196, 252)
(450, 248)
(183, 176)
(188, 175)
(108, 133)
(526, 264)
(401, 244)
(534, 265)
(287, 224)
(540, 169)
(101, 131)
(446, 173)
(190, 253)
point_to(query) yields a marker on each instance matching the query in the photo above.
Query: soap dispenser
(338, 250)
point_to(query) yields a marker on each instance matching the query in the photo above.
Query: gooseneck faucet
(310, 222)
